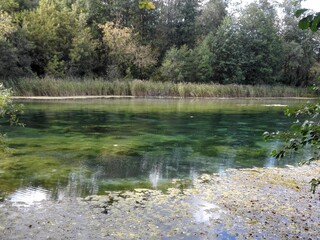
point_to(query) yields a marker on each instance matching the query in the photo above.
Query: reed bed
(140, 88)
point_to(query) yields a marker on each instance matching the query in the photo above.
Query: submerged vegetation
(259, 203)
(121, 144)
(139, 88)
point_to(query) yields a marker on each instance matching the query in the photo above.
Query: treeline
(178, 41)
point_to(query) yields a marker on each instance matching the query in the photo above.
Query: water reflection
(80, 184)
(203, 211)
(29, 196)
(81, 148)
(155, 175)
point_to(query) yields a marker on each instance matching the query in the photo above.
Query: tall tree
(261, 43)
(299, 48)
(204, 59)
(186, 28)
(124, 50)
(53, 28)
(229, 58)
(211, 16)
(14, 57)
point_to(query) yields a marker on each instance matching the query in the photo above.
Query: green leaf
(315, 24)
(299, 12)
(296, 127)
(142, 5)
(304, 23)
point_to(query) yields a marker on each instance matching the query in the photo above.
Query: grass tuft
(140, 88)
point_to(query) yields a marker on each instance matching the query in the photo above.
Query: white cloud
(312, 4)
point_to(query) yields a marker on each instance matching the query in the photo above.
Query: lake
(85, 147)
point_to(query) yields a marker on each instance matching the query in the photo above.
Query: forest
(215, 41)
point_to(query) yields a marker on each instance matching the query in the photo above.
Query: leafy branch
(304, 132)
(309, 19)
(145, 4)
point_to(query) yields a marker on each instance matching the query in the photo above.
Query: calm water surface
(77, 148)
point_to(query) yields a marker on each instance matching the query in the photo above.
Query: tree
(145, 4)
(228, 54)
(14, 47)
(7, 27)
(186, 28)
(178, 65)
(310, 19)
(299, 48)
(305, 132)
(124, 50)
(63, 42)
(8, 112)
(211, 16)
(261, 44)
(204, 60)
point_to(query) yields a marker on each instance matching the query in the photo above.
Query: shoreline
(40, 98)
(257, 203)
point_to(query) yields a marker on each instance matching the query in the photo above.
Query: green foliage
(186, 28)
(310, 20)
(260, 44)
(178, 65)
(211, 16)
(62, 38)
(9, 5)
(56, 32)
(8, 112)
(124, 50)
(228, 55)
(145, 4)
(83, 56)
(305, 132)
(299, 48)
(8, 59)
(204, 59)
(99, 87)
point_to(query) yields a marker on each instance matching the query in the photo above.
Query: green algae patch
(259, 203)
(39, 171)
(266, 202)
(240, 204)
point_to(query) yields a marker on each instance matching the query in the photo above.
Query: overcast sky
(312, 4)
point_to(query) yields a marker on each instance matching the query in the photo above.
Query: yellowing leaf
(150, 6)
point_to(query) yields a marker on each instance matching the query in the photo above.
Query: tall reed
(139, 88)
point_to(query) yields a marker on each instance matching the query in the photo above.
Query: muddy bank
(268, 203)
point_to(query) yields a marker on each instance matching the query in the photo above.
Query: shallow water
(79, 148)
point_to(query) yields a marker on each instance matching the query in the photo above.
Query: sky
(312, 4)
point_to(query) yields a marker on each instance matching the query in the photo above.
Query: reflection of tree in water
(155, 175)
(167, 163)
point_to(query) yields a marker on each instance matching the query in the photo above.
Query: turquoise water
(77, 148)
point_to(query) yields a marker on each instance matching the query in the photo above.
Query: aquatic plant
(140, 88)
